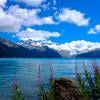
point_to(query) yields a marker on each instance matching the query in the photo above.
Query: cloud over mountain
(75, 47)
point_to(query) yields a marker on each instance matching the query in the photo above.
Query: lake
(26, 71)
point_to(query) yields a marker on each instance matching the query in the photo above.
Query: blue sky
(59, 21)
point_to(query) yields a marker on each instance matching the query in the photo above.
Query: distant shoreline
(52, 58)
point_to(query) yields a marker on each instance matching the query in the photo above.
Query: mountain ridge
(91, 54)
(12, 50)
(37, 49)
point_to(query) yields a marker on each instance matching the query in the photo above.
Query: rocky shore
(66, 89)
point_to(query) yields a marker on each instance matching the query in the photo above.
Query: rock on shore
(66, 89)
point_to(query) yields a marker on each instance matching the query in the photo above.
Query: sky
(57, 21)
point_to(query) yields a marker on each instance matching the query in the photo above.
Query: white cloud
(73, 16)
(38, 21)
(34, 3)
(8, 23)
(14, 18)
(36, 35)
(75, 47)
(3, 2)
(46, 6)
(95, 30)
(30, 17)
(54, 2)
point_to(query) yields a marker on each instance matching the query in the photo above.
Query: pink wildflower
(14, 82)
(51, 73)
(95, 68)
(39, 77)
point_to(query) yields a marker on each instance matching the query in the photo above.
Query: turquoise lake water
(26, 71)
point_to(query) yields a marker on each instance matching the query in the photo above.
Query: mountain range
(91, 54)
(10, 49)
(37, 49)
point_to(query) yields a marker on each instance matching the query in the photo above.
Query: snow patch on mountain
(66, 49)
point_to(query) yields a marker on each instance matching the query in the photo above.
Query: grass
(43, 94)
(17, 92)
(89, 85)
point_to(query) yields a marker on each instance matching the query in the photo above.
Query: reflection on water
(26, 71)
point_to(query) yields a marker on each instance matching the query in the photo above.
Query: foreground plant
(81, 83)
(42, 92)
(51, 85)
(89, 85)
(96, 78)
(17, 92)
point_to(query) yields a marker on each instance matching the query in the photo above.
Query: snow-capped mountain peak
(66, 49)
